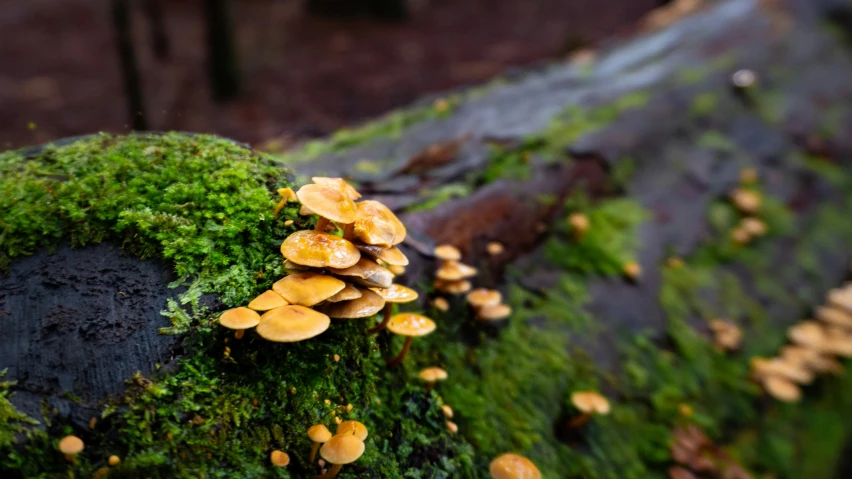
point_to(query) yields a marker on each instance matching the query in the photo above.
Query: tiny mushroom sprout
(727, 335)
(579, 224)
(495, 248)
(455, 271)
(480, 297)
(308, 288)
(513, 466)
(267, 300)
(431, 375)
(279, 458)
(340, 450)
(113, 460)
(447, 410)
(408, 325)
(318, 434)
(287, 194)
(375, 224)
(633, 270)
(70, 446)
(441, 304)
(452, 427)
(368, 304)
(329, 202)
(353, 428)
(746, 201)
(395, 294)
(588, 403)
(239, 319)
(319, 250)
(292, 323)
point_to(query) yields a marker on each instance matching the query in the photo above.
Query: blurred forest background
(267, 71)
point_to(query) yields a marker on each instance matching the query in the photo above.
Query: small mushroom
(113, 460)
(340, 450)
(279, 458)
(588, 403)
(441, 304)
(495, 248)
(762, 368)
(267, 300)
(782, 389)
(308, 288)
(292, 323)
(365, 306)
(740, 236)
(808, 334)
(329, 202)
(431, 375)
(396, 294)
(513, 466)
(579, 224)
(494, 312)
(727, 335)
(240, 319)
(455, 271)
(841, 298)
(408, 325)
(366, 272)
(447, 410)
(834, 316)
(753, 226)
(338, 183)
(746, 201)
(452, 427)
(447, 252)
(348, 293)
(70, 446)
(811, 360)
(287, 194)
(318, 434)
(453, 287)
(375, 224)
(396, 270)
(354, 428)
(319, 250)
(480, 297)
(392, 256)
(633, 270)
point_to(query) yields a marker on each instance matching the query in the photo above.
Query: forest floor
(302, 76)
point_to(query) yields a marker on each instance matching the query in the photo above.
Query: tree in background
(222, 65)
(129, 68)
(157, 29)
(382, 9)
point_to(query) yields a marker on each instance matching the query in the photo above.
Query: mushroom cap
(452, 427)
(329, 202)
(396, 270)
(319, 250)
(740, 235)
(352, 428)
(807, 333)
(494, 312)
(307, 289)
(447, 410)
(840, 345)
(292, 323)
(410, 324)
(348, 292)
(633, 269)
(367, 273)
(745, 200)
(834, 316)
(319, 433)
(810, 359)
(480, 297)
(71, 445)
(367, 305)
(392, 256)
(447, 252)
(279, 458)
(267, 300)
(727, 334)
(288, 194)
(453, 287)
(780, 367)
(455, 271)
(753, 226)
(342, 449)
(239, 318)
(579, 221)
(293, 266)
(441, 304)
(782, 389)
(590, 402)
(305, 211)
(433, 374)
(494, 248)
(397, 293)
(376, 224)
(841, 298)
(338, 183)
(513, 466)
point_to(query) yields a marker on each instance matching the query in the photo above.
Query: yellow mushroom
(70, 446)
(354, 428)
(396, 294)
(308, 288)
(340, 450)
(267, 300)
(431, 375)
(279, 458)
(292, 323)
(447, 252)
(318, 434)
(319, 250)
(239, 319)
(588, 403)
(513, 466)
(408, 325)
(579, 224)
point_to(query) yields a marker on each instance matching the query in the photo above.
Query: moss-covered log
(647, 141)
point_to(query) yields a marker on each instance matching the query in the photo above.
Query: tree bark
(129, 68)
(222, 65)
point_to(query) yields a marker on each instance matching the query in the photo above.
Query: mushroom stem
(349, 231)
(385, 317)
(429, 386)
(398, 359)
(72, 458)
(314, 449)
(279, 206)
(579, 420)
(335, 468)
(239, 333)
(322, 222)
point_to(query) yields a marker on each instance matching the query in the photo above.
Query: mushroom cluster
(727, 336)
(340, 269)
(816, 345)
(697, 456)
(488, 304)
(452, 276)
(344, 447)
(747, 201)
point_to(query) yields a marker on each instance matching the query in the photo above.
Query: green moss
(703, 104)
(441, 195)
(13, 423)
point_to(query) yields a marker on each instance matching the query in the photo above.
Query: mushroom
(392, 256)
(307, 289)
(340, 450)
(338, 183)
(513, 466)
(810, 359)
(746, 201)
(480, 297)
(453, 287)
(782, 389)
(292, 323)
(495, 248)
(447, 410)
(588, 403)
(431, 375)
(395, 294)
(348, 292)
(329, 202)
(70, 446)
(267, 300)
(447, 252)
(441, 304)
(753, 226)
(396, 270)
(354, 428)
(375, 224)
(727, 335)
(318, 434)
(279, 458)
(455, 271)
(240, 319)
(319, 250)
(748, 176)
(808, 334)
(633, 270)
(452, 427)
(780, 367)
(365, 306)
(494, 312)
(579, 224)
(841, 298)
(113, 460)
(834, 316)
(408, 325)
(366, 272)
(740, 236)
(287, 194)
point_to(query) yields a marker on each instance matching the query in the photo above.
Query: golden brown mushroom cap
(342, 449)
(352, 428)
(590, 402)
(494, 312)
(292, 323)
(349, 292)
(329, 202)
(727, 334)
(810, 359)
(807, 333)
(239, 318)
(376, 224)
(397, 293)
(780, 367)
(452, 427)
(367, 305)
(392, 256)
(782, 389)
(447, 252)
(495, 248)
(319, 250)
(319, 433)
(579, 222)
(338, 183)
(633, 270)
(287, 194)
(267, 300)
(279, 458)
(480, 297)
(433, 374)
(396, 270)
(410, 324)
(455, 271)
(366, 272)
(745, 200)
(834, 316)
(753, 226)
(307, 289)
(441, 304)
(513, 466)
(71, 445)
(453, 287)
(841, 298)
(447, 410)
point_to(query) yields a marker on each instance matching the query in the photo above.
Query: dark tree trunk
(129, 68)
(157, 29)
(394, 10)
(222, 65)
(382, 9)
